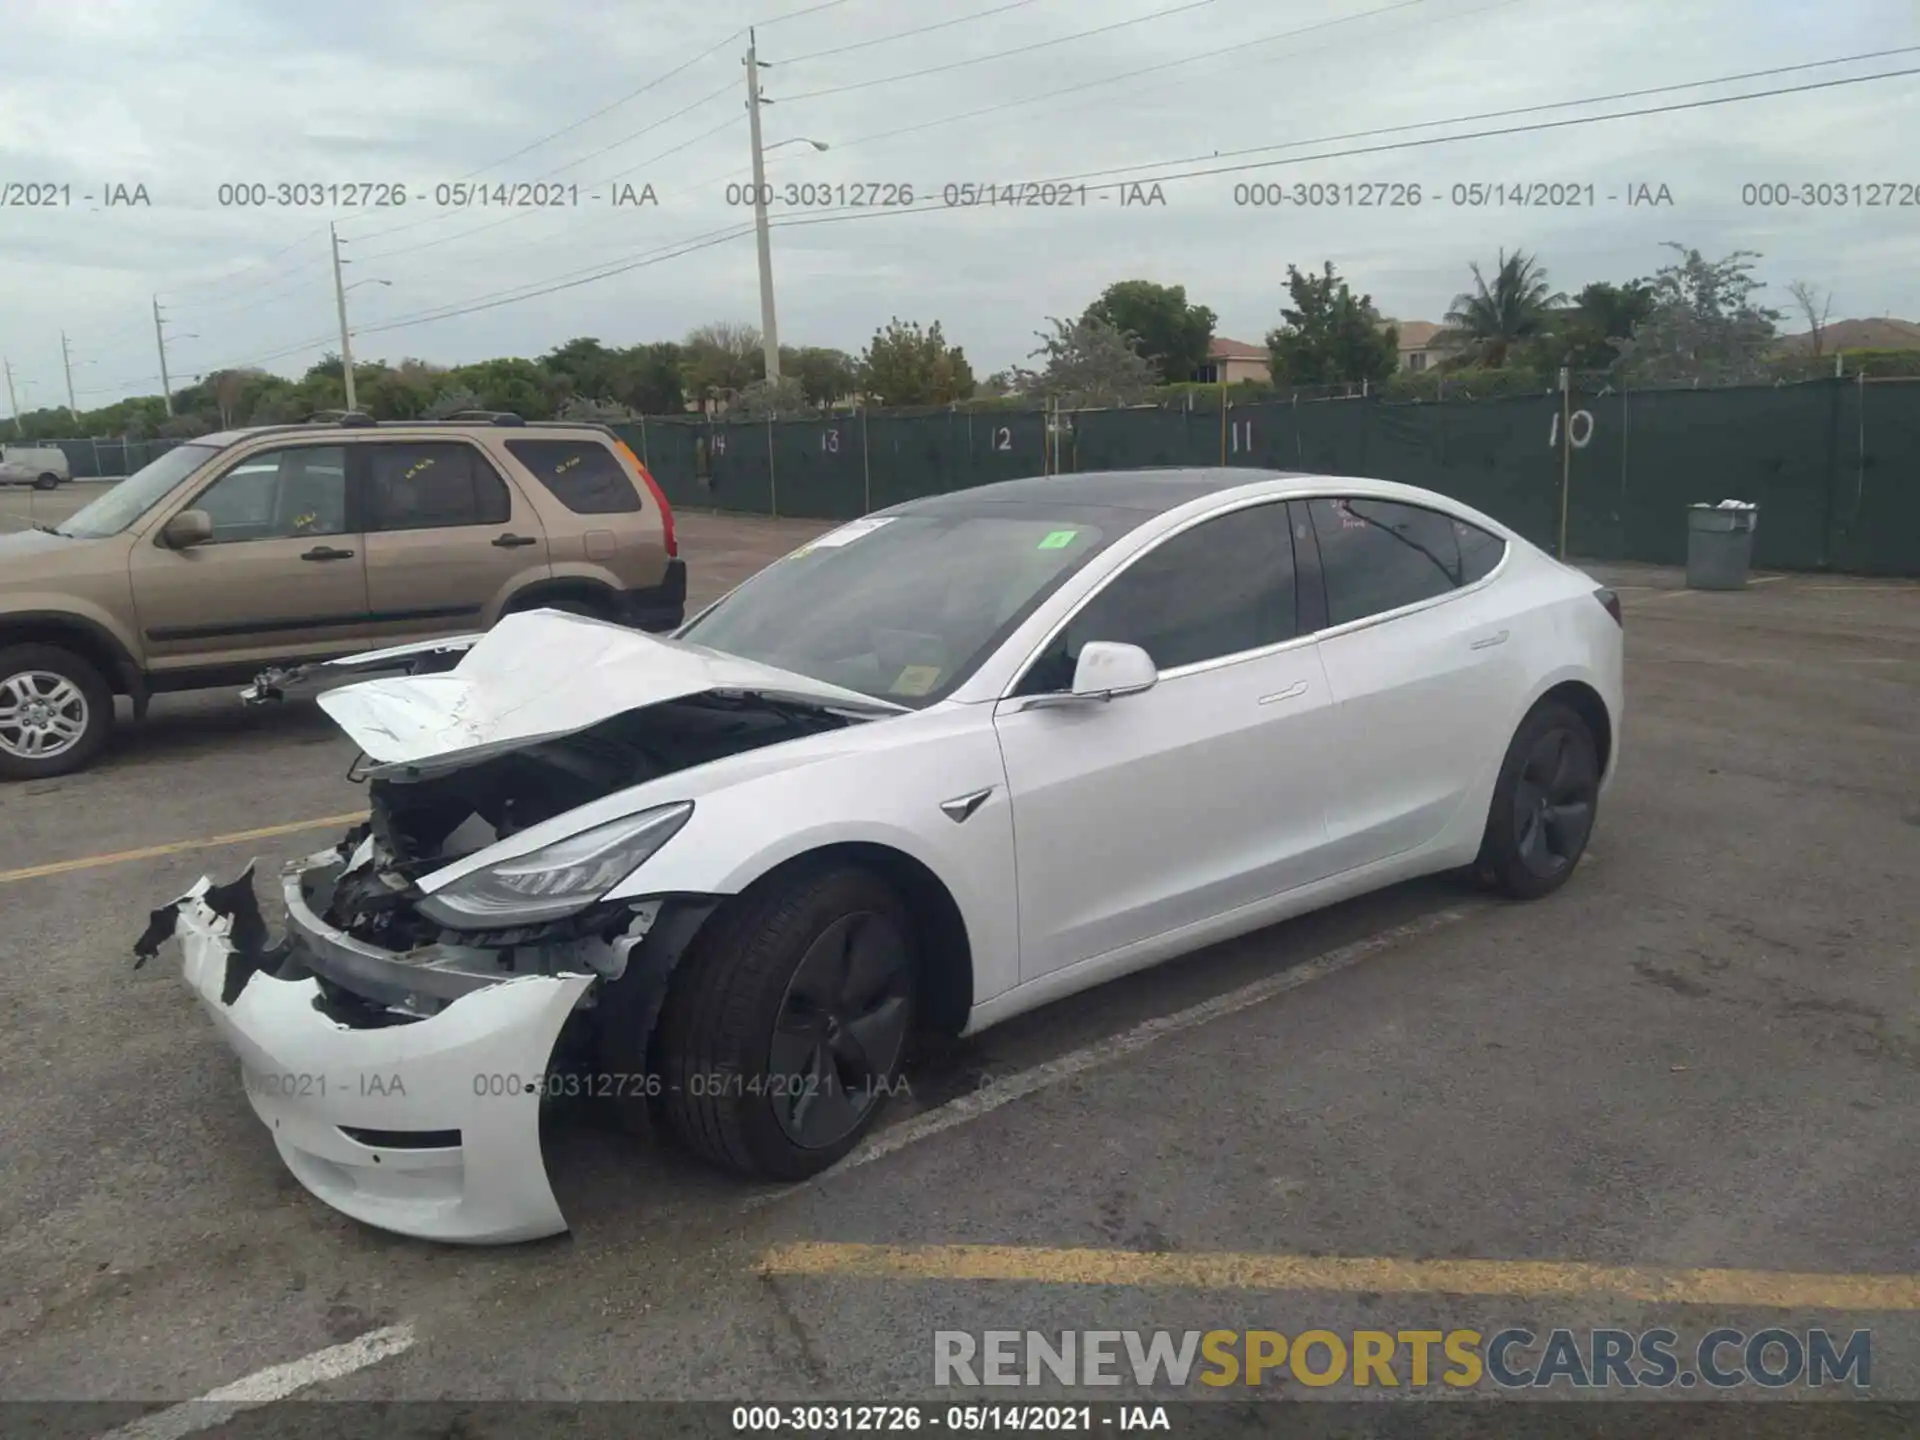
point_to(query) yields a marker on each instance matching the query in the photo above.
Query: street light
(799, 140)
(358, 283)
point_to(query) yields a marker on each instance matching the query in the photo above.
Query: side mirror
(187, 529)
(1107, 669)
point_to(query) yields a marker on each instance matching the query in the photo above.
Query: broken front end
(444, 972)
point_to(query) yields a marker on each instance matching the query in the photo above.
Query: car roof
(1149, 492)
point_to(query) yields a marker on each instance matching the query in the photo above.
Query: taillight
(1612, 603)
(659, 498)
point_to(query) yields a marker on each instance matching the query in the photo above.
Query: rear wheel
(46, 482)
(56, 710)
(786, 1025)
(1543, 806)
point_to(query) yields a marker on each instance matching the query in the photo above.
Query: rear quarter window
(583, 475)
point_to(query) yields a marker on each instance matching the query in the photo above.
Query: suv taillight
(1612, 603)
(659, 498)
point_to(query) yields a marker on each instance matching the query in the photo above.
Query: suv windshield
(900, 607)
(135, 495)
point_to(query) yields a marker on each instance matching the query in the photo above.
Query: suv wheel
(56, 710)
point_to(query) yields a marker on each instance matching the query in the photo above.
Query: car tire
(1544, 804)
(46, 482)
(58, 684)
(786, 1023)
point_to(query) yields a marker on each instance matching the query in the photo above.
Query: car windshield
(902, 607)
(135, 495)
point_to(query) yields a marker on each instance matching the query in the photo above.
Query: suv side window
(1377, 555)
(279, 495)
(584, 475)
(427, 484)
(1223, 587)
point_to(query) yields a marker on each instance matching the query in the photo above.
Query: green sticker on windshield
(1059, 540)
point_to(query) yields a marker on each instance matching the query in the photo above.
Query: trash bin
(1720, 545)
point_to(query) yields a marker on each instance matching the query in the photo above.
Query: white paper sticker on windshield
(847, 534)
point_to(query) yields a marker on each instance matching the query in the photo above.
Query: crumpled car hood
(540, 675)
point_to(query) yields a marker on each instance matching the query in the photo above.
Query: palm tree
(1486, 323)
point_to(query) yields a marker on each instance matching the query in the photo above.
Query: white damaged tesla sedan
(939, 766)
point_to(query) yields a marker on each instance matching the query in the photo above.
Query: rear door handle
(1487, 642)
(327, 552)
(508, 542)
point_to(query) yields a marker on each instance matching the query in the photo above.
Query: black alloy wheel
(785, 1025)
(1553, 801)
(1544, 804)
(842, 1028)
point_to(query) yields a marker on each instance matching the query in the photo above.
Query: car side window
(279, 495)
(1377, 555)
(1223, 587)
(1480, 551)
(430, 484)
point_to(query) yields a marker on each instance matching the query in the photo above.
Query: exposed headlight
(559, 879)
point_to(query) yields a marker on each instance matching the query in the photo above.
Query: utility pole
(166, 386)
(13, 404)
(769, 333)
(66, 360)
(340, 302)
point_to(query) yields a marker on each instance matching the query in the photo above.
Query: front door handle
(1299, 687)
(1487, 642)
(327, 552)
(509, 542)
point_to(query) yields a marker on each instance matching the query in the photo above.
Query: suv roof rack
(490, 417)
(354, 419)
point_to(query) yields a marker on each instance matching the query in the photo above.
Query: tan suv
(295, 542)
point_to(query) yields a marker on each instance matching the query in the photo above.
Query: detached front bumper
(424, 1126)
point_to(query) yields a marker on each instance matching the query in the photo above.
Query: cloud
(187, 96)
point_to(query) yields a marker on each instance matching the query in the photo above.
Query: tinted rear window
(583, 475)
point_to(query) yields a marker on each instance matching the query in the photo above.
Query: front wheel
(1543, 806)
(56, 711)
(786, 1024)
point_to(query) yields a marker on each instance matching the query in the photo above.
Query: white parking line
(1077, 1062)
(263, 1387)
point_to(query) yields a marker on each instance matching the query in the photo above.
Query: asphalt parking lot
(1680, 1092)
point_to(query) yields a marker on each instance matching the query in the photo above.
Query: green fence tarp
(1833, 465)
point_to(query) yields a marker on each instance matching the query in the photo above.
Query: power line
(693, 244)
(1497, 114)
(1057, 92)
(605, 109)
(513, 215)
(905, 34)
(258, 264)
(1161, 14)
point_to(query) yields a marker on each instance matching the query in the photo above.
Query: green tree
(1487, 322)
(721, 359)
(521, 386)
(905, 365)
(1329, 335)
(648, 379)
(824, 375)
(1162, 327)
(1089, 365)
(1703, 323)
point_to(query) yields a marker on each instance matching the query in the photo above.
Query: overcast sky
(183, 96)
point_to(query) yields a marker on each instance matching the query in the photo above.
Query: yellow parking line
(1527, 1278)
(177, 847)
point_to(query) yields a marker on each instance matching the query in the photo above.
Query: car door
(284, 573)
(1205, 794)
(1416, 654)
(447, 535)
